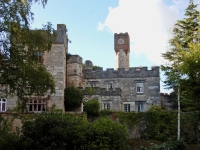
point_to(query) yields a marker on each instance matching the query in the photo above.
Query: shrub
(8, 140)
(107, 134)
(54, 131)
(92, 107)
(105, 113)
(73, 96)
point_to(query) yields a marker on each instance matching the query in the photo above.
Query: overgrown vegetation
(92, 107)
(55, 130)
(73, 96)
(66, 131)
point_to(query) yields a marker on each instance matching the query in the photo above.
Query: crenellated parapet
(133, 72)
(75, 59)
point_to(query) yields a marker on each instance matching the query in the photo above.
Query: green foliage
(90, 90)
(67, 131)
(73, 96)
(131, 119)
(92, 107)
(106, 134)
(156, 108)
(96, 68)
(21, 67)
(8, 140)
(183, 69)
(160, 125)
(105, 113)
(54, 131)
(68, 55)
(171, 145)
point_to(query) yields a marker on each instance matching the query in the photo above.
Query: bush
(171, 145)
(105, 113)
(107, 134)
(65, 131)
(54, 131)
(73, 96)
(92, 107)
(8, 140)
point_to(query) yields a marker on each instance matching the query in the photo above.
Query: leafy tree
(73, 96)
(22, 71)
(185, 33)
(92, 107)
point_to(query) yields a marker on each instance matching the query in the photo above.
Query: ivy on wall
(73, 96)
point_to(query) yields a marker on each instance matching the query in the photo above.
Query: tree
(185, 32)
(22, 71)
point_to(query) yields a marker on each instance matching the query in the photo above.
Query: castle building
(120, 89)
(55, 63)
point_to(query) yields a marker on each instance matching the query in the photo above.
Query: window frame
(3, 104)
(127, 107)
(140, 106)
(36, 105)
(141, 88)
(106, 106)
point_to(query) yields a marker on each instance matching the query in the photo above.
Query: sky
(91, 25)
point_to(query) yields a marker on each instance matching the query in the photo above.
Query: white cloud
(148, 22)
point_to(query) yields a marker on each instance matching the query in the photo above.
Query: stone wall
(55, 63)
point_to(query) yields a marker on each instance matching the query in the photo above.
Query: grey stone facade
(121, 89)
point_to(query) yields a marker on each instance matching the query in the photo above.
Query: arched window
(3, 103)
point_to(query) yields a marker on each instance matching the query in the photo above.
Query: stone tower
(74, 71)
(122, 50)
(55, 63)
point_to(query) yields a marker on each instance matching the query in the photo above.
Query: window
(140, 87)
(3, 103)
(36, 105)
(106, 106)
(127, 107)
(109, 86)
(140, 106)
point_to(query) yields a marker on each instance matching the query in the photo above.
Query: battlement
(121, 73)
(75, 59)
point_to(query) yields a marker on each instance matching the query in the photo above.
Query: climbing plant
(73, 96)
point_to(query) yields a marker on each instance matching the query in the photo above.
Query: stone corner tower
(55, 63)
(122, 50)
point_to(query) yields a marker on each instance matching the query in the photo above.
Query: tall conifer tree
(185, 32)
